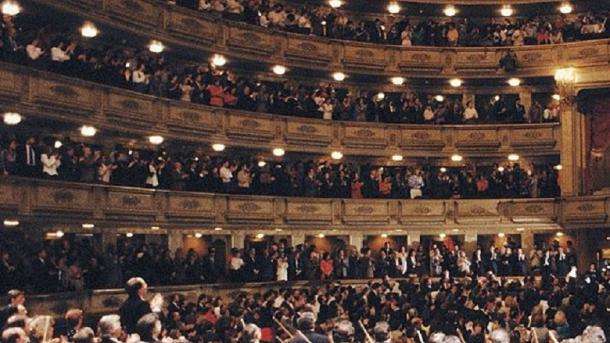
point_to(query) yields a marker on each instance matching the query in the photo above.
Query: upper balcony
(44, 95)
(186, 28)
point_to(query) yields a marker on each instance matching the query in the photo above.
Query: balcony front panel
(65, 202)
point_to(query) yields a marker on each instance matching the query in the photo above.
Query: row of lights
(450, 10)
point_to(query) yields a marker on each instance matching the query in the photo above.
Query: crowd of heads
(51, 48)
(408, 31)
(542, 307)
(187, 169)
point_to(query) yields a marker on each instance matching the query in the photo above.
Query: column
(573, 162)
(355, 240)
(470, 242)
(237, 240)
(527, 241)
(525, 96)
(175, 240)
(412, 237)
(297, 238)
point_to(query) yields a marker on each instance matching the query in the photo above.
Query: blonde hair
(41, 328)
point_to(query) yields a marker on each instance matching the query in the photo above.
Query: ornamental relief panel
(308, 131)
(412, 211)
(422, 138)
(200, 118)
(593, 210)
(10, 195)
(477, 137)
(62, 198)
(190, 26)
(535, 56)
(365, 211)
(363, 135)
(255, 209)
(122, 201)
(250, 40)
(477, 210)
(420, 59)
(131, 104)
(313, 210)
(308, 50)
(364, 56)
(139, 11)
(476, 60)
(63, 93)
(196, 205)
(534, 137)
(539, 211)
(250, 126)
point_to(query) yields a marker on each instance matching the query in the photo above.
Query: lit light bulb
(380, 96)
(88, 226)
(565, 8)
(155, 228)
(156, 139)
(513, 157)
(279, 69)
(218, 60)
(58, 144)
(506, 11)
(384, 235)
(59, 234)
(501, 234)
(336, 155)
(439, 98)
(397, 158)
(218, 147)
(500, 169)
(335, 3)
(129, 234)
(10, 222)
(514, 82)
(559, 234)
(556, 97)
(321, 235)
(88, 30)
(156, 47)
(443, 170)
(450, 11)
(88, 131)
(261, 164)
(10, 8)
(339, 76)
(394, 8)
(198, 235)
(456, 158)
(260, 235)
(455, 82)
(217, 229)
(442, 235)
(12, 118)
(558, 167)
(397, 80)
(279, 152)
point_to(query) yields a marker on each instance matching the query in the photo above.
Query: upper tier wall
(179, 26)
(41, 94)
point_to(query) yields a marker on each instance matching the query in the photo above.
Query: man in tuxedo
(135, 307)
(16, 298)
(44, 274)
(28, 159)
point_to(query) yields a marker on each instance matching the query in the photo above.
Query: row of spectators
(408, 31)
(76, 264)
(157, 74)
(487, 309)
(187, 170)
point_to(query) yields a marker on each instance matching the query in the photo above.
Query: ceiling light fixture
(217, 229)
(156, 139)
(394, 8)
(12, 118)
(443, 170)
(11, 222)
(198, 235)
(556, 97)
(455, 83)
(397, 80)
(261, 164)
(59, 234)
(442, 235)
(558, 167)
(500, 169)
(10, 8)
(88, 30)
(156, 47)
(513, 157)
(335, 3)
(397, 158)
(58, 144)
(129, 234)
(450, 11)
(380, 96)
(456, 158)
(506, 11)
(336, 155)
(279, 69)
(218, 60)
(439, 98)
(514, 82)
(218, 147)
(565, 8)
(501, 235)
(88, 131)
(321, 235)
(260, 235)
(279, 152)
(88, 226)
(339, 76)
(559, 234)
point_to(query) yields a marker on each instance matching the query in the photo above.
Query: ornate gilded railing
(41, 94)
(176, 25)
(63, 202)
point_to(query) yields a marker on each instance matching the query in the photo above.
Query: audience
(408, 31)
(156, 74)
(185, 170)
(540, 309)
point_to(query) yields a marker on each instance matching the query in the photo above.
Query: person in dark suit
(28, 159)
(135, 307)
(306, 324)
(44, 275)
(16, 298)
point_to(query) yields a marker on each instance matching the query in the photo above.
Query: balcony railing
(40, 94)
(63, 202)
